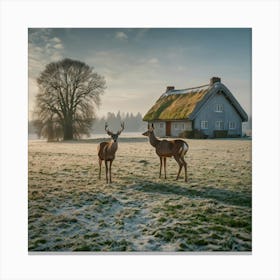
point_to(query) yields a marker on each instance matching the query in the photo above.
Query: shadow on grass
(220, 195)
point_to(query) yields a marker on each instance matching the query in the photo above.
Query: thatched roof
(185, 104)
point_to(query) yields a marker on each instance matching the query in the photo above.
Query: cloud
(120, 69)
(130, 79)
(43, 48)
(55, 40)
(153, 60)
(58, 46)
(121, 35)
(141, 33)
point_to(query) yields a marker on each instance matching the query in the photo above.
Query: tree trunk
(68, 132)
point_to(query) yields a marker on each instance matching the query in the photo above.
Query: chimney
(170, 88)
(214, 80)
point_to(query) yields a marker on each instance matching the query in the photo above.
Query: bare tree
(69, 93)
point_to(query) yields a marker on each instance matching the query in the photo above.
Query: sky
(139, 63)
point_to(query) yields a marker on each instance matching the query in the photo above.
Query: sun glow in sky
(139, 63)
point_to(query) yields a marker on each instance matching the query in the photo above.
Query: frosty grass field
(70, 209)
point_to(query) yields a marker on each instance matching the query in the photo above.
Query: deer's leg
(186, 168)
(160, 167)
(106, 166)
(183, 163)
(164, 161)
(179, 171)
(100, 163)
(180, 166)
(110, 173)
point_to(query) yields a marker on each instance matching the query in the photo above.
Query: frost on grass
(71, 210)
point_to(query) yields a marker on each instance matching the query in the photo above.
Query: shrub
(186, 134)
(193, 134)
(220, 133)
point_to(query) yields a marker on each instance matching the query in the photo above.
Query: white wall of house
(160, 128)
(176, 127)
(179, 126)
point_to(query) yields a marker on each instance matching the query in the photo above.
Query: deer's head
(114, 136)
(149, 131)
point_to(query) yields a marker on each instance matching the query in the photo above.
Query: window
(160, 125)
(204, 124)
(232, 125)
(179, 126)
(219, 125)
(219, 108)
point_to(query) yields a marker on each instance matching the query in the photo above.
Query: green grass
(70, 209)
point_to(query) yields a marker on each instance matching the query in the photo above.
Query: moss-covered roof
(176, 106)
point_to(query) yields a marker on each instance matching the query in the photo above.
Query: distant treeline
(132, 123)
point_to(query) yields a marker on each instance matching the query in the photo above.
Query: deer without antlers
(164, 148)
(107, 151)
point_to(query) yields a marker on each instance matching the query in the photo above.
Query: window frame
(179, 126)
(219, 127)
(219, 108)
(231, 125)
(204, 125)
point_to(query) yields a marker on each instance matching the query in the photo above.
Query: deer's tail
(183, 150)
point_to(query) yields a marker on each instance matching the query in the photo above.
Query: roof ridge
(186, 90)
(191, 87)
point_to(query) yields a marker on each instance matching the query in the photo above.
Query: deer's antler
(107, 130)
(122, 128)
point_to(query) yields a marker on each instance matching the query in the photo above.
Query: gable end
(220, 89)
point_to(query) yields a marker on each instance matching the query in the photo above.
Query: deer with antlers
(164, 148)
(107, 150)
